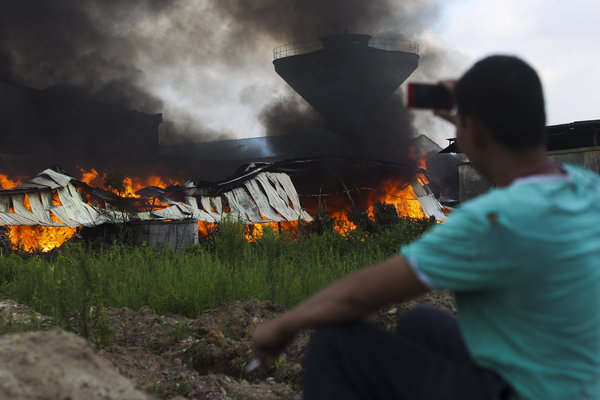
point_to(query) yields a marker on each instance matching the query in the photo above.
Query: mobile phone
(427, 95)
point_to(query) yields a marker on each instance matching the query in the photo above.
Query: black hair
(505, 95)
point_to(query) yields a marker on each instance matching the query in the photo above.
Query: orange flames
(131, 185)
(39, 238)
(402, 196)
(255, 231)
(394, 191)
(7, 183)
(343, 225)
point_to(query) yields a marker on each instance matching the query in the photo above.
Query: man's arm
(345, 300)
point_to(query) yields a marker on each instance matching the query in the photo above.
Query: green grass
(80, 281)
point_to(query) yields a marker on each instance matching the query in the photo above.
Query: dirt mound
(202, 358)
(15, 315)
(162, 356)
(58, 365)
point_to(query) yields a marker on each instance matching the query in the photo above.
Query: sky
(558, 38)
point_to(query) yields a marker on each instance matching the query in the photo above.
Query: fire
(131, 185)
(39, 238)
(204, 227)
(254, 232)
(401, 195)
(343, 225)
(7, 183)
(421, 160)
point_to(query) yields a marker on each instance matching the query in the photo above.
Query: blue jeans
(425, 359)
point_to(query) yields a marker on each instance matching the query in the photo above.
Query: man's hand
(269, 340)
(448, 115)
(346, 300)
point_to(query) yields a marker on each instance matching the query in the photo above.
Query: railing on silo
(292, 49)
(389, 44)
(394, 44)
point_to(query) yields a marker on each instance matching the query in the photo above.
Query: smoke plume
(205, 64)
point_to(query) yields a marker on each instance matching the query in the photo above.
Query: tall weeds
(76, 285)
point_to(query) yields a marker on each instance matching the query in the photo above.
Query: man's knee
(328, 336)
(435, 329)
(425, 319)
(339, 338)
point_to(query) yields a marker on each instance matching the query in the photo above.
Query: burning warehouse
(347, 78)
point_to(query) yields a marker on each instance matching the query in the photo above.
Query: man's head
(504, 94)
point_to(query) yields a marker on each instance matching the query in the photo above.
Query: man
(523, 262)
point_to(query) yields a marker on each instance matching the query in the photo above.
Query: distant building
(58, 125)
(574, 143)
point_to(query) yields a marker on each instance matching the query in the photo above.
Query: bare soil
(161, 356)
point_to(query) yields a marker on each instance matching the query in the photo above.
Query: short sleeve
(464, 254)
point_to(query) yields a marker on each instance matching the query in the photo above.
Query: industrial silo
(346, 76)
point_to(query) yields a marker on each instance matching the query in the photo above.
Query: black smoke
(128, 52)
(76, 45)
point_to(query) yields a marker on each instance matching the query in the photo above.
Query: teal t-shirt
(524, 264)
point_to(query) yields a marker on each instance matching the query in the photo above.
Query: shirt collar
(567, 176)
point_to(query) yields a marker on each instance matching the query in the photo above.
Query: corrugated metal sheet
(430, 205)
(266, 197)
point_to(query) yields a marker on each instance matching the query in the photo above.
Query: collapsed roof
(264, 197)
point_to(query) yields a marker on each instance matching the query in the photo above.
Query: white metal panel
(46, 198)
(41, 213)
(18, 202)
(247, 204)
(217, 203)
(4, 203)
(292, 195)
(172, 212)
(236, 209)
(262, 201)
(61, 179)
(41, 182)
(432, 207)
(429, 204)
(205, 201)
(62, 214)
(73, 207)
(275, 200)
(198, 213)
(14, 219)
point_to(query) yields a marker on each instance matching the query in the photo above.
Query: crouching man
(523, 261)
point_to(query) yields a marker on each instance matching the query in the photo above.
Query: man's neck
(509, 165)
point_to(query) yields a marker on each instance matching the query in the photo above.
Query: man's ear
(478, 132)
